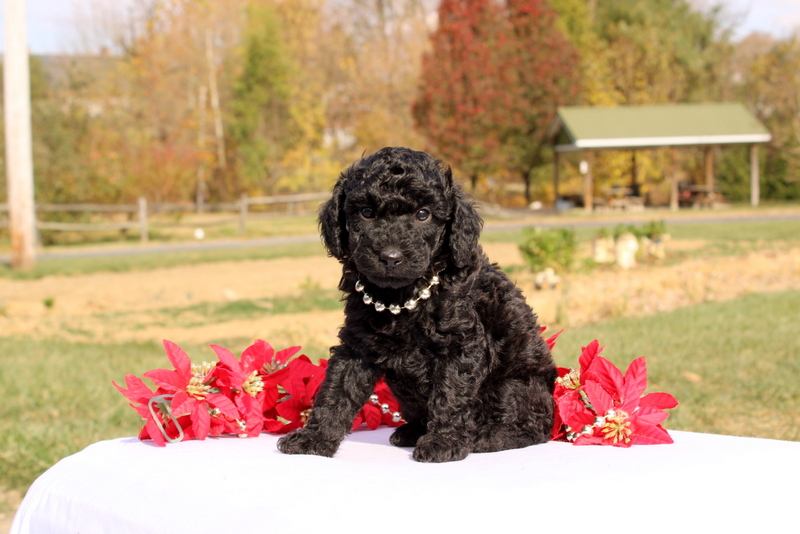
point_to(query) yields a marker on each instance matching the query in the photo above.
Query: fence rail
(142, 209)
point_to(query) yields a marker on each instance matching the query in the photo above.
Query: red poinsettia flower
(272, 372)
(243, 380)
(194, 392)
(301, 384)
(382, 407)
(599, 405)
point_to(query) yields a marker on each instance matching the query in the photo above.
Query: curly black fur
(468, 366)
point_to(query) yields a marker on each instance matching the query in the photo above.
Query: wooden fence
(142, 209)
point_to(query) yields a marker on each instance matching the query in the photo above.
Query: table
(701, 483)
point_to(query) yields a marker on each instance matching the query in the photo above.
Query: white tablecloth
(700, 483)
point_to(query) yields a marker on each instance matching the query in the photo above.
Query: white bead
(384, 408)
(359, 286)
(425, 293)
(395, 308)
(367, 298)
(380, 306)
(396, 417)
(410, 304)
(434, 280)
(373, 399)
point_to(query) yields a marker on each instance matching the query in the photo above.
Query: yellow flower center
(198, 386)
(617, 428)
(571, 380)
(253, 385)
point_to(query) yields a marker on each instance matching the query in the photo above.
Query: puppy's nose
(391, 257)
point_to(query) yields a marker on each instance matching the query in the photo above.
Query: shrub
(555, 248)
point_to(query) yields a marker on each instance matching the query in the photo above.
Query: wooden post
(19, 154)
(710, 170)
(588, 183)
(143, 219)
(243, 204)
(555, 179)
(755, 183)
(673, 186)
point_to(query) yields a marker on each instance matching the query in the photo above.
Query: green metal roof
(583, 127)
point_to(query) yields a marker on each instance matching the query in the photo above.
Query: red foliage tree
(456, 105)
(542, 67)
(492, 82)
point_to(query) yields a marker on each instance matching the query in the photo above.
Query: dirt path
(139, 306)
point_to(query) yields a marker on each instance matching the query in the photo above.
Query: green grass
(733, 366)
(730, 232)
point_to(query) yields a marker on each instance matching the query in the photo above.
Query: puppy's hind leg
(523, 418)
(408, 434)
(504, 436)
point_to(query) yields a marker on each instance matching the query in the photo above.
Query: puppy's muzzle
(391, 257)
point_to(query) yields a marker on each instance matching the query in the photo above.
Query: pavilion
(590, 129)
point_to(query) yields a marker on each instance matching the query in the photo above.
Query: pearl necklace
(423, 293)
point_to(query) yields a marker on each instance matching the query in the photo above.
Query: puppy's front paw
(304, 442)
(436, 448)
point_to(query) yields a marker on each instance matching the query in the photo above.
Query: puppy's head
(398, 215)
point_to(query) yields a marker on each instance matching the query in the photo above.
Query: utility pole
(19, 155)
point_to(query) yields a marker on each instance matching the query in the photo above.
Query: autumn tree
(460, 101)
(262, 125)
(540, 69)
(491, 84)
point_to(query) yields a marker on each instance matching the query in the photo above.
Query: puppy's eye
(367, 213)
(423, 215)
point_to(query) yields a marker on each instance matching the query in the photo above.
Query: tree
(491, 84)
(539, 67)
(460, 99)
(262, 126)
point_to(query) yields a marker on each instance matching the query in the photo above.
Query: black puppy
(458, 345)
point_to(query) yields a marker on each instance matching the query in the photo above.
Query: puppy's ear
(465, 224)
(333, 222)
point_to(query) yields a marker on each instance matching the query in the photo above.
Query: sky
(52, 27)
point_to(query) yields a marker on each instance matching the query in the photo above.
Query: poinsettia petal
(372, 416)
(635, 384)
(282, 356)
(201, 421)
(137, 391)
(182, 404)
(227, 358)
(155, 433)
(649, 416)
(607, 375)
(169, 380)
(588, 354)
(223, 404)
(599, 398)
(179, 359)
(256, 355)
(551, 341)
(573, 412)
(651, 435)
(663, 401)
(273, 425)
